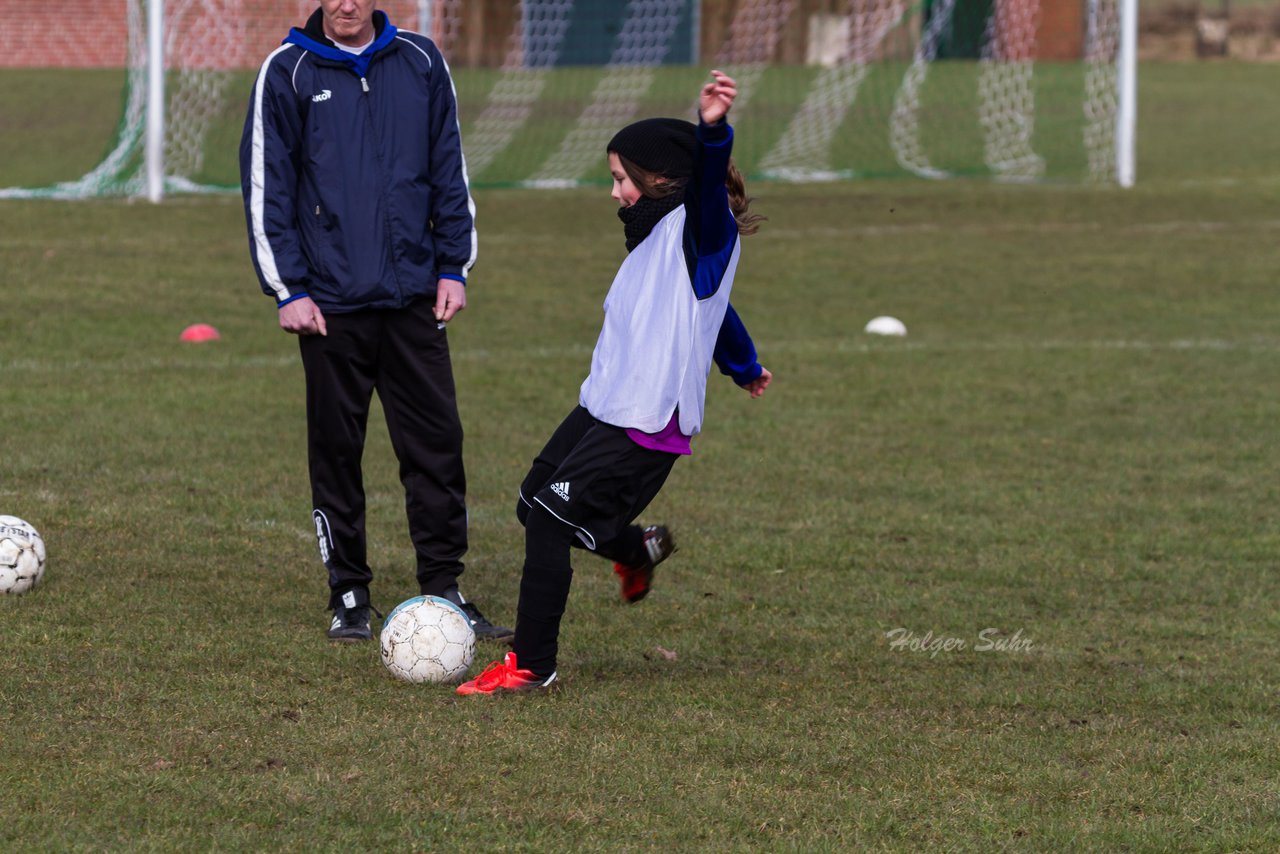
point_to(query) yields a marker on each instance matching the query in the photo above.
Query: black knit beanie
(662, 146)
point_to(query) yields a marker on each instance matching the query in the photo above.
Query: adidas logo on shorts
(561, 489)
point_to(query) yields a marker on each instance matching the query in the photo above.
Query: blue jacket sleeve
(735, 353)
(710, 229)
(268, 177)
(453, 212)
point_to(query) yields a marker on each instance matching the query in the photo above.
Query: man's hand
(451, 298)
(757, 386)
(302, 317)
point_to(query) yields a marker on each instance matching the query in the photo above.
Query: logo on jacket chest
(323, 96)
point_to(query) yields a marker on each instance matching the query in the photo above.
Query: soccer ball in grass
(428, 639)
(21, 556)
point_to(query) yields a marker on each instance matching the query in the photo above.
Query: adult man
(361, 226)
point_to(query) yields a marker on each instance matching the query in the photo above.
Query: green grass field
(1074, 448)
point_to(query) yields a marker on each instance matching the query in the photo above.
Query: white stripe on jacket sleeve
(257, 187)
(466, 179)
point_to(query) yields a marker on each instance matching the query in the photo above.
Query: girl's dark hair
(657, 186)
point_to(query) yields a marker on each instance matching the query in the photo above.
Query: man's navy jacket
(355, 186)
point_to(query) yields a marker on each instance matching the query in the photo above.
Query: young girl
(667, 317)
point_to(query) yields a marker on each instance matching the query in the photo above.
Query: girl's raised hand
(716, 98)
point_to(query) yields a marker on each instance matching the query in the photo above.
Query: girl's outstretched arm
(735, 352)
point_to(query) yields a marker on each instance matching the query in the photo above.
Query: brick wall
(240, 33)
(66, 33)
(94, 33)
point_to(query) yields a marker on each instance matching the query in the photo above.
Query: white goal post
(831, 89)
(153, 158)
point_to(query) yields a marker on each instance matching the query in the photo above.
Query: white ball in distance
(885, 325)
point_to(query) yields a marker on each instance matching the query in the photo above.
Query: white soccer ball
(428, 639)
(885, 325)
(21, 556)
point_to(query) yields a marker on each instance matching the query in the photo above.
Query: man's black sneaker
(351, 618)
(484, 629)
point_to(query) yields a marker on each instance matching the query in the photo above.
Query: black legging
(547, 576)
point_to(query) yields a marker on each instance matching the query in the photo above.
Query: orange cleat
(505, 676)
(636, 580)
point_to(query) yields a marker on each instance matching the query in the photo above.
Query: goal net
(1009, 90)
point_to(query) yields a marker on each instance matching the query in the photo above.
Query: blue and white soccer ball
(428, 639)
(21, 556)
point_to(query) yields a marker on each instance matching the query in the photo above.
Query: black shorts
(594, 478)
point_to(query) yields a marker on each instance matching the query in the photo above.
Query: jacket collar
(312, 38)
